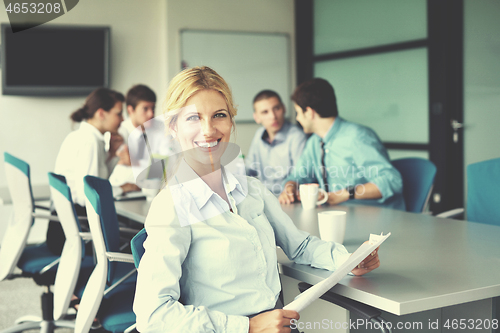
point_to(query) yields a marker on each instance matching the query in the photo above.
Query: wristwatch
(351, 189)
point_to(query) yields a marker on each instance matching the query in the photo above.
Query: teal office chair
(35, 261)
(75, 266)
(418, 179)
(14, 241)
(110, 290)
(137, 246)
(483, 198)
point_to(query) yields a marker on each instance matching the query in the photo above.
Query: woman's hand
(129, 187)
(124, 155)
(273, 321)
(115, 142)
(368, 264)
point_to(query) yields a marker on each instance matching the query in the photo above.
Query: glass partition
(387, 92)
(341, 25)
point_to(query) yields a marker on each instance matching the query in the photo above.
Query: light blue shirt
(208, 275)
(272, 162)
(353, 155)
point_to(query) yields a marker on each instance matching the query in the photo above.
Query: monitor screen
(54, 60)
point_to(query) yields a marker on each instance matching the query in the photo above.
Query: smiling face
(203, 129)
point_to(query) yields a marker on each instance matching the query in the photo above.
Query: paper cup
(332, 225)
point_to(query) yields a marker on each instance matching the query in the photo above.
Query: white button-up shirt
(83, 153)
(206, 268)
(145, 154)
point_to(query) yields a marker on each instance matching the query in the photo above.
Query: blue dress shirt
(207, 274)
(272, 162)
(353, 155)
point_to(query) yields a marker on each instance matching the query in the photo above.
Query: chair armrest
(451, 213)
(364, 311)
(130, 231)
(45, 216)
(121, 257)
(86, 236)
(49, 266)
(54, 217)
(42, 207)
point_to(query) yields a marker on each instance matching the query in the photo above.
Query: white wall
(229, 15)
(481, 80)
(145, 48)
(33, 128)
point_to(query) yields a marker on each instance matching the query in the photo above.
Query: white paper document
(310, 295)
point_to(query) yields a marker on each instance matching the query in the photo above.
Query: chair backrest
(483, 198)
(74, 247)
(107, 233)
(137, 246)
(18, 180)
(418, 178)
(104, 228)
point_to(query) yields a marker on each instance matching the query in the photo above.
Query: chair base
(25, 319)
(45, 326)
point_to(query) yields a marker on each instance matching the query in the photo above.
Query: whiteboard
(249, 62)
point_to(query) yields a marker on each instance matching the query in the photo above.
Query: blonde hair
(187, 83)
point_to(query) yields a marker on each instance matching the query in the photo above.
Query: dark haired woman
(83, 151)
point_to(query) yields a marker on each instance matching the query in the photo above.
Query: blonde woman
(210, 262)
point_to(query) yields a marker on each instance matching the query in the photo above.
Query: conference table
(441, 273)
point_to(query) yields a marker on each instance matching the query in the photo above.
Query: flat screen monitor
(54, 60)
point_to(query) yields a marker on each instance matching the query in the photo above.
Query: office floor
(20, 297)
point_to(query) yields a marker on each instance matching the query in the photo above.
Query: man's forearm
(367, 191)
(362, 192)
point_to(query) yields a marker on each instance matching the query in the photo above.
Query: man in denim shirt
(276, 146)
(346, 159)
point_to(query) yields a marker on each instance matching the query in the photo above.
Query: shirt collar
(128, 125)
(85, 126)
(333, 129)
(198, 189)
(234, 184)
(280, 135)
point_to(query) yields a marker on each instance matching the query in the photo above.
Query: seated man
(276, 146)
(146, 140)
(347, 160)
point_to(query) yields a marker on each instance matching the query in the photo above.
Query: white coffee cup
(332, 225)
(309, 195)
